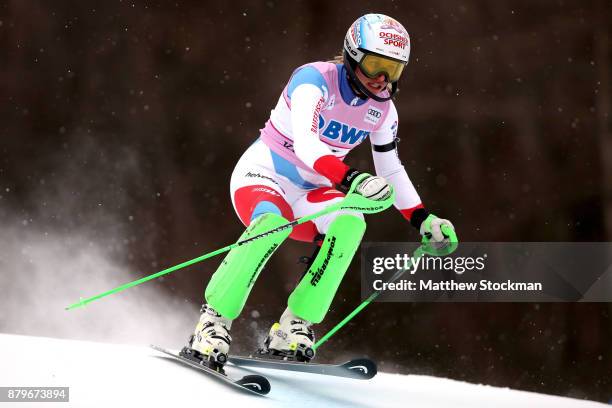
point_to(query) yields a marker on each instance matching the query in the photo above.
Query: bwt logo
(338, 130)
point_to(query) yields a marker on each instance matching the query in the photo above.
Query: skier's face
(375, 85)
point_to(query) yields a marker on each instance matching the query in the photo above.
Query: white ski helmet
(377, 44)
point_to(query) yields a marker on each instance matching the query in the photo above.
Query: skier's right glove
(439, 237)
(371, 187)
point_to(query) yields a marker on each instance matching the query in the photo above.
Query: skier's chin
(376, 88)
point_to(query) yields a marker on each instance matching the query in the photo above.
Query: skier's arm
(388, 165)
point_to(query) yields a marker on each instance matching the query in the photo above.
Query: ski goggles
(373, 65)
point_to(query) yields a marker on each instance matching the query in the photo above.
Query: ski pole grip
(357, 202)
(356, 182)
(449, 233)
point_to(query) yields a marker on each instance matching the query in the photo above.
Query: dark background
(125, 119)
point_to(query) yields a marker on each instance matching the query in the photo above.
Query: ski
(360, 368)
(257, 384)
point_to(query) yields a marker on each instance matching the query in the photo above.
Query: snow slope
(103, 375)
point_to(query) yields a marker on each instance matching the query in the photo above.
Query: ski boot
(210, 342)
(291, 339)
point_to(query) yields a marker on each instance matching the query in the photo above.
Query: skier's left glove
(372, 187)
(439, 237)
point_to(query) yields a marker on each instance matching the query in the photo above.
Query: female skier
(292, 170)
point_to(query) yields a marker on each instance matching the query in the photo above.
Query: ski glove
(439, 237)
(371, 187)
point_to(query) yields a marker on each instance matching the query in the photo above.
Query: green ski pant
(312, 297)
(231, 284)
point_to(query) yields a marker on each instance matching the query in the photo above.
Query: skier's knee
(265, 220)
(325, 222)
(356, 214)
(265, 207)
(349, 225)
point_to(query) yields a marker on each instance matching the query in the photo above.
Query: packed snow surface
(110, 375)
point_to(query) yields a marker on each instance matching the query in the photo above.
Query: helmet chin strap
(357, 85)
(355, 89)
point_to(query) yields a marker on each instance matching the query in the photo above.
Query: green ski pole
(352, 201)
